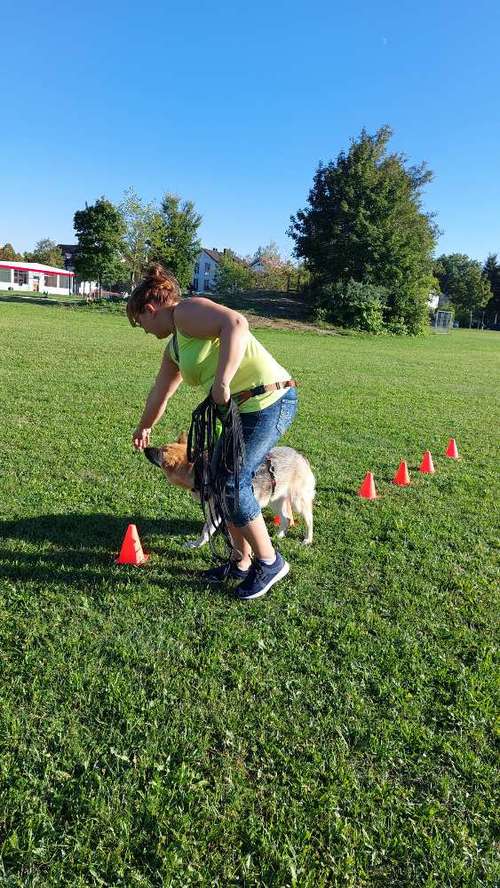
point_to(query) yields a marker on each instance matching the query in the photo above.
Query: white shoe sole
(279, 576)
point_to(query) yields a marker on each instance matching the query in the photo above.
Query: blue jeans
(261, 431)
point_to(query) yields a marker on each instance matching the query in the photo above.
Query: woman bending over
(214, 349)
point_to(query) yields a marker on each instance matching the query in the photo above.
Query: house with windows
(32, 277)
(205, 270)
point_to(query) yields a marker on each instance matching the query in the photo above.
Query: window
(195, 283)
(5, 275)
(196, 267)
(20, 277)
(206, 284)
(64, 281)
(207, 266)
(50, 280)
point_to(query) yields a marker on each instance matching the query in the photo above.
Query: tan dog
(284, 482)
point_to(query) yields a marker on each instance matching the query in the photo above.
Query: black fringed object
(215, 457)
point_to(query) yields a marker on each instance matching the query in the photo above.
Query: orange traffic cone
(277, 520)
(368, 489)
(131, 550)
(452, 449)
(402, 477)
(427, 466)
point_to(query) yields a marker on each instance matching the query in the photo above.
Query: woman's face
(154, 320)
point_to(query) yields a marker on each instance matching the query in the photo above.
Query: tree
(233, 275)
(365, 223)
(462, 281)
(491, 272)
(269, 255)
(173, 237)
(47, 253)
(139, 220)
(7, 252)
(357, 305)
(275, 272)
(100, 230)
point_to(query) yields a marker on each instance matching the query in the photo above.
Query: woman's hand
(141, 438)
(221, 393)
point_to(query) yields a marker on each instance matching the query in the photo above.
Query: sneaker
(227, 571)
(261, 577)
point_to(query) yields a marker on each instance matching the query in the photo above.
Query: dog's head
(172, 460)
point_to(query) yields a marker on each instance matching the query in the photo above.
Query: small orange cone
(427, 466)
(277, 520)
(452, 449)
(402, 477)
(131, 550)
(368, 489)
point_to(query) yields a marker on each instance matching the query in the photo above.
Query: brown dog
(284, 482)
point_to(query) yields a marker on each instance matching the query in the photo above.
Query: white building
(258, 264)
(83, 288)
(205, 270)
(32, 277)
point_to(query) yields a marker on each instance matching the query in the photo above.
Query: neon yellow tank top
(198, 360)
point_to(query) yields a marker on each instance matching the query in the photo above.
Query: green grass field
(338, 732)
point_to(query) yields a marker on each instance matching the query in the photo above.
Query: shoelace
(259, 568)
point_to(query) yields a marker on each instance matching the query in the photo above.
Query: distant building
(83, 288)
(259, 264)
(205, 268)
(32, 277)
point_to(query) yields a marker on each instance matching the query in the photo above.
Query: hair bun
(157, 273)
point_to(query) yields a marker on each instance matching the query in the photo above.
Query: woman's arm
(205, 319)
(166, 384)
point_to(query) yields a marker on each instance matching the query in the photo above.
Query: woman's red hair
(158, 286)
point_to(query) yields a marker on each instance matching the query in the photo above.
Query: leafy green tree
(173, 237)
(139, 220)
(462, 281)
(356, 305)
(491, 271)
(47, 253)
(365, 223)
(100, 230)
(269, 255)
(233, 275)
(275, 272)
(7, 252)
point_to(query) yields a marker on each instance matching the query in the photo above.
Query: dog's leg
(208, 531)
(201, 541)
(307, 514)
(281, 507)
(287, 509)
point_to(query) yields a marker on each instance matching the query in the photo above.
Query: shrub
(353, 304)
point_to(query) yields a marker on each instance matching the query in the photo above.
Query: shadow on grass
(80, 549)
(45, 301)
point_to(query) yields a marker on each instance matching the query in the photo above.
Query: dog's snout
(154, 455)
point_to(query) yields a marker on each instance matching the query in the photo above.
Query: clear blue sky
(234, 104)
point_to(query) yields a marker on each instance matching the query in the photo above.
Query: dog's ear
(182, 439)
